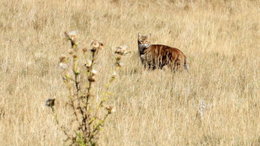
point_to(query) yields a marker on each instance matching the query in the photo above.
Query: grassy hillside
(218, 103)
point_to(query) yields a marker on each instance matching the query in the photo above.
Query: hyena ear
(150, 35)
(138, 35)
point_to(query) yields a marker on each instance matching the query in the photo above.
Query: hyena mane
(156, 56)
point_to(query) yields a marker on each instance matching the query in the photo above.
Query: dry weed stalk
(79, 79)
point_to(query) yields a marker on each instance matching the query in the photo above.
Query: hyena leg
(152, 66)
(175, 66)
(172, 66)
(145, 63)
(178, 65)
(186, 67)
(149, 66)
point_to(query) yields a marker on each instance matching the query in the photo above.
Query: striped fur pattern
(156, 56)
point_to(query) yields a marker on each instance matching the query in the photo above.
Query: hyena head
(143, 43)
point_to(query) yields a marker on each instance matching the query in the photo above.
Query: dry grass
(220, 38)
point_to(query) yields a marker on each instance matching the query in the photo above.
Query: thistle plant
(119, 53)
(79, 76)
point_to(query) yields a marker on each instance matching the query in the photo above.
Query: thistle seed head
(121, 50)
(119, 64)
(71, 35)
(50, 102)
(88, 64)
(114, 75)
(110, 109)
(84, 50)
(75, 56)
(63, 65)
(94, 72)
(91, 79)
(118, 58)
(96, 45)
(63, 59)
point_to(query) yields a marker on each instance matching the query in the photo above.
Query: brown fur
(156, 56)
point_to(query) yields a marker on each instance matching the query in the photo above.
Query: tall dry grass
(218, 103)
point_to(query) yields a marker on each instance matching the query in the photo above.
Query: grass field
(217, 103)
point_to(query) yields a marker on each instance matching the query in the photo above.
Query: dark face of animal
(143, 43)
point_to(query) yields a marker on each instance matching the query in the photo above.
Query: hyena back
(156, 56)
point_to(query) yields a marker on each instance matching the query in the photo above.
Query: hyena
(156, 56)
